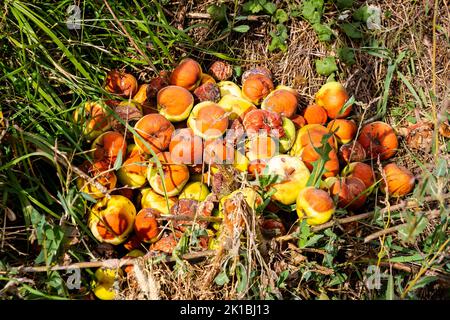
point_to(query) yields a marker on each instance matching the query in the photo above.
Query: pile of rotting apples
(163, 149)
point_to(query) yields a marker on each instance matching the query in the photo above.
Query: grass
(48, 71)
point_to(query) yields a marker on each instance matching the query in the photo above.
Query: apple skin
(212, 132)
(315, 205)
(261, 146)
(241, 162)
(187, 74)
(133, 172)
(252, 198)
(96, 119)
(105, 178)
(399, 181)
(283, 100)
(115, 211)
(288, 140)
(151, 199)
(332, 96)
(173, 179)
(105, 279)
(294, 175)
(104, 291)
(195, 191)
(107, 275)
(237, 106)
(173, 96)
(311, 134)
(228, 87)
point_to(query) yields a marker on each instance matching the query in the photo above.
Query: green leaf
(119, 159)
(323, 31)
(218, 12)
(362, 14)
(221, 279)
(282, 278)
(237, 71)
(415, 225)
(295, 13)
(424, 281)
(270, 7)
(306, 237)
(242, 278)
(253, 6)
(338, 279)
(403, 259)
(313, 240)
(344, 4)
(57, 283)
(390, 288)
(411, 119)
(305, 233)
(347, 55)
(352, 30)
(326, 66)
(319, 169)
(281, 16)
(441, 169)
(347, 105)
(312, 10)
(279, 38)
(242, 28)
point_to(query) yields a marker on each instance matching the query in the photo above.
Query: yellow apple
(315, 205)
(293, 175)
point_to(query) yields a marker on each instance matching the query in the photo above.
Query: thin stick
(117, 263)
(383, 232)
(199, 15)
(190, 218)
(392, 229)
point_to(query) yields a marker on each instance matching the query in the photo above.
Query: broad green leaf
(415, 225)
(323, 31)
(281, 16)
(279, 38)
(415, 257)
(362, 14)
(237, 71)
(270, 7)
(253, 6)
(218, 12)
(347, 55)
(424, 281)
(282, 278)
(338, 279)
(312, 10)
(352, 30)
(313, 240)
(242, 28)
(221, 279)
(344, 4)
(390, 288)
(326, 66)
